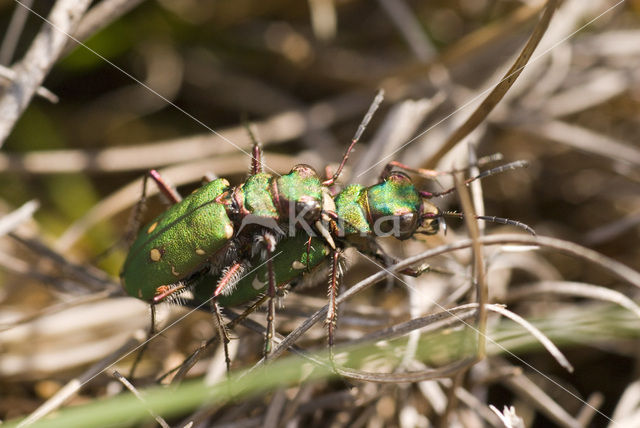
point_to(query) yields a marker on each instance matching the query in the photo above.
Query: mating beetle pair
(210, 241)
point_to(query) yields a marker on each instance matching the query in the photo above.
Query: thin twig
(33, 68)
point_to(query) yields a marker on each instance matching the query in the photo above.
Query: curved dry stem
(575, 289)
(544, 340)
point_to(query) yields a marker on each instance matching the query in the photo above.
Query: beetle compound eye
(398, 177)
(309, 210)
(408, 223)
(304, 171)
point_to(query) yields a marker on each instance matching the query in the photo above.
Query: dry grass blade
(546, 342)
(590, 408)
(282, 127)
(478, 268)
(627, 412)
(445, 371)
(508, 417)
(12, 36)
(41, 91)
(93, 279)
(9, 222)
(72, 387)
(498, 92)
(54, 309)
(425, 324)
(527, 389)
(587, 141)
(577, 289)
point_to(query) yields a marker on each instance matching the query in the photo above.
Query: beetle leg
(167, 190)
(333, 191)
(332, 313)
(135, 220)
(150, 334)
(256, 155)
(270, 243)
(222, 333)
(365, 121)
(228, 280)
(208, 177)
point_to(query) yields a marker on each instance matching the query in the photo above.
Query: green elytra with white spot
(194, 233)
(177, 242)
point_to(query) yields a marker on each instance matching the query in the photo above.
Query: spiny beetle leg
(227, 282)
(332, 313)
(256, 149)
(222, 333)
(270, 247)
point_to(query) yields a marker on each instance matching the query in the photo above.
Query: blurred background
(167, 85)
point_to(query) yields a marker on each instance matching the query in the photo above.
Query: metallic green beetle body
(263, 195)
(393, 207)
(177, 242)
(195, 235)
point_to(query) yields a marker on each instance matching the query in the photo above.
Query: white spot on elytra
(155, 255)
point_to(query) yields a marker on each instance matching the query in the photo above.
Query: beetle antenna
(483, 174)
(433, 174)
(365, 121)
(492, 219)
